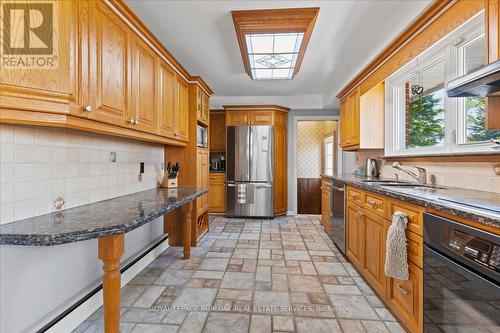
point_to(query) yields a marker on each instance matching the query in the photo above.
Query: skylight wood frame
(271, 21)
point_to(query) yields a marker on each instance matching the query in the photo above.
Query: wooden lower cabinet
(217, 193)
(374, 230)
(326, 204)
(406, 298)
(354, 235)
(366, 234)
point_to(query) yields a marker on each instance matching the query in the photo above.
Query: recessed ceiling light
(273, 42)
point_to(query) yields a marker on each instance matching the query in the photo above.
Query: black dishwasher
(337, 222)
(461, 277)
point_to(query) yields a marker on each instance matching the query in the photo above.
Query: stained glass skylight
(273, 56)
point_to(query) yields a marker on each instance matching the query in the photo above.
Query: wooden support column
(110, 252)
(187, 212)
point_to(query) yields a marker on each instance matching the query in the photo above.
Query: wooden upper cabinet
(144, 69)
(372, 118)
(492, 21)
(236, 118)
(261, 117)
(48, 88)
(181, 112)
(202, 106)
(217, 132)
(349, 120)
(109, 66)
(166, 99)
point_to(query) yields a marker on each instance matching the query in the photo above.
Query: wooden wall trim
(22, 117)
(123, 10)
(434, 10)
(248, 107)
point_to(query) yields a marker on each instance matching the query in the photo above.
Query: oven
(461, 277)
(201, 137)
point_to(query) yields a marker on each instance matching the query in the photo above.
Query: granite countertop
(445, 199)
(103, 218)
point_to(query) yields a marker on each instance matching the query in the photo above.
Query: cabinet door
(217, 132)
(280, 169)
(261, 117)
(216, 193)
(181, 122)
(235, 118)
(206, 108)
(110, 68)
(144, 62)
(354, 235)
(406, 298)
(205, 173)
(374, 250)
(349, 119)
(325, 206)
(52, 87)
(166, 100)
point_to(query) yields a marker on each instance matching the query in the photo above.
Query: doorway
(316, 155)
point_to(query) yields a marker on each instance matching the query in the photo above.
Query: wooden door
(52, 87)
(110, 66)
(309, 198)
(354, 235)
(280, 167)
(181, 122)
(144, 63)
(217, 132)
(236, 118)
(261, 117)
(166, 100)
(374, 250)
(217, 193)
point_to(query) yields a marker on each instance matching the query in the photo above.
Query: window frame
(451, 49)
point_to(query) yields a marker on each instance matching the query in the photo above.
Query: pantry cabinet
(111, 77)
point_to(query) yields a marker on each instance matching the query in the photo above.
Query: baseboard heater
(98, 288)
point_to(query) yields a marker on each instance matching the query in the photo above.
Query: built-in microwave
(201, 139)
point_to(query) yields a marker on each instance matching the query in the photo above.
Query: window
(328, 147)
(420, 118)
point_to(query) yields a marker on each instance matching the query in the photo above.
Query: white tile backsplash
(38, 164)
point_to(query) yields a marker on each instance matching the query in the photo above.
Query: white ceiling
(347, 35)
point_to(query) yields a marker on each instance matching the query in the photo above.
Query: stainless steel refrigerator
(250, 171)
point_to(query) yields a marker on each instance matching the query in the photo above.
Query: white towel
(242, 193)
(396, 255)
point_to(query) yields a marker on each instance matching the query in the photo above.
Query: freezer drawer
(259, 200)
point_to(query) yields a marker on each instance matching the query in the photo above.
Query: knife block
(170, 183)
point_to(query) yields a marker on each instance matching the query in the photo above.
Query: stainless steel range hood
(482, 82)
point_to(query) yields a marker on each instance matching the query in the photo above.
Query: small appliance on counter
(217, 162)
(201, 138)
(172, 172)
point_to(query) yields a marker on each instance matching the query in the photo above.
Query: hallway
(280, 275)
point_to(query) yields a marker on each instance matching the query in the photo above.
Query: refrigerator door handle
(231, 185)
(250, 152)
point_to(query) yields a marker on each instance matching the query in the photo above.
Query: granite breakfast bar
(107, 221)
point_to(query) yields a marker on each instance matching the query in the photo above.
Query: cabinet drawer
(375, 204)
(355, 196)
(214, 178)
(415, 245)
(405, 298)
(414, 213)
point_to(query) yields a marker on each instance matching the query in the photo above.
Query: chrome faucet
(422, 173)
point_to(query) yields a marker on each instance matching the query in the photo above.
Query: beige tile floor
(252, 276)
